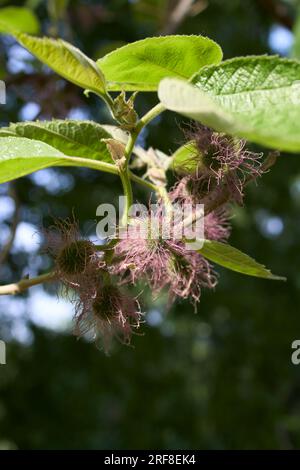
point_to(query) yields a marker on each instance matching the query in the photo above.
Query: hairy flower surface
(151, 251)
(106, 314)
(77, 261)
(221, 160)
(216, 223)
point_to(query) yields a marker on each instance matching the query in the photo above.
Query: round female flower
(77, 261)
(150, 250)
(106, 314)
(221, 159)
(216, 225)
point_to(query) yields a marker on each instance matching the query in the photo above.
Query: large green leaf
(66, 60)
(18, 19)
(20, 156)
(234, 259)
(184, 98)
(76, 138)
(142, 64)
(257, 98)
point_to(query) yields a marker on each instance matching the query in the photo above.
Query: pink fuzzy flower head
(77, 261)
(163, 261)
(222, 160)
(107, 314)
(188, 273)
(216, 224)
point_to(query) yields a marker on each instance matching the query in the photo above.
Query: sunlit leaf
(66, 60)
(20, 156)
(229, 257)
(142, 64)
(76, 138)
(257, 98)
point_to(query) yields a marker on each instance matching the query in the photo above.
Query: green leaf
(66, 60)
(234, 259)
(18, 19)
(142, 64)
(256, 98)
(184, 98)
(21, 156)
(76, 138)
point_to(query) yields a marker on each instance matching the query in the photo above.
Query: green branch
(126, 183)
(124, 172)
(149, 116)
(107, 168)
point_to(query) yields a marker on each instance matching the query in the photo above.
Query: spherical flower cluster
(76, 259)
(151, 251)
(221, 160)
(103, 310)
(107, 313)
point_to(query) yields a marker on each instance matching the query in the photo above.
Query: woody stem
(23, 284)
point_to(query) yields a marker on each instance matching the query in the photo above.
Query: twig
(21, 286)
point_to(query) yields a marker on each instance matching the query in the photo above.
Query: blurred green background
(218, 379)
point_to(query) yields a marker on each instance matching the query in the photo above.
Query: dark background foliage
(221, 378)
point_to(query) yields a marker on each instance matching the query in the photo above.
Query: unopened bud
(124, 111)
